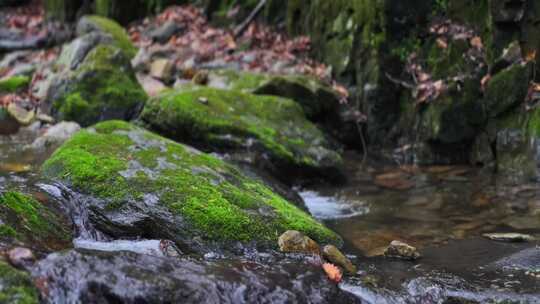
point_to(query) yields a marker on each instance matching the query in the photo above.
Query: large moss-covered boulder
(318, 100)
(142, 185)
(94, 79)
(16, 286)
(25, 221)
(271, 130)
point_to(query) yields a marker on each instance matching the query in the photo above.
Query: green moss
(16, 286)
(116, 31)
(507, 89)
(217, 200)
(28, 221)
(100, 89)
(13, 84)
(230, 118)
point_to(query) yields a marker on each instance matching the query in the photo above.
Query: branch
(244, 25)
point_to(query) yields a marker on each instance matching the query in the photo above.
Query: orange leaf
(333, 273)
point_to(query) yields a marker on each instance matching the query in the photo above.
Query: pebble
(401, 250)
(509, 237)
(295, 241)
(21, 257)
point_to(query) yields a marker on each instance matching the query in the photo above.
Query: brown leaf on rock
(333, 272)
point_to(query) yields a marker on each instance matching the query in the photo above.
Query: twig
(244, 25)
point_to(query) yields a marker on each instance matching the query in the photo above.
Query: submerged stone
(273, 132)
(25, 220)
(401, 250)
(139, 184)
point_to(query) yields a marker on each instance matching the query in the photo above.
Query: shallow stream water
(442, 210)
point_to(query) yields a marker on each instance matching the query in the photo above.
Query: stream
(442, 210)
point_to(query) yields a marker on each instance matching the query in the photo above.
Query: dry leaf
(442, 43)
(333, 272)
(476, 42)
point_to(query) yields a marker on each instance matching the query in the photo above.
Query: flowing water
(442, 210)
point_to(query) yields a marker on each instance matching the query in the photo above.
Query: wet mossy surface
(16, 286)
(229, 120)
(27, 221)
(125, 167)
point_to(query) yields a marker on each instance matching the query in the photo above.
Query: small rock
(162, 69)
(201, 78)
(21, 257)
(8, 125)
(56, 135)
(44, 118)
(163, 33)
(401, 250)
(20, 114)
(509, 237)
(295, 241)
(334, 255)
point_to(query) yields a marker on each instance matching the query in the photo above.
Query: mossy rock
(93, 23)
(103, 86)
(143, 185)
(13, 84)
(26, 221)
(270, 127)
(507, 89)
(318, 100)
(16, 286)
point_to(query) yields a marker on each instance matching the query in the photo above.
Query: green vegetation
(16, 286)
(13, 84)
(219, 202)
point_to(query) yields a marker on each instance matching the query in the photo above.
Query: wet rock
(401, 250)
(16, 286)
(24, 220)
(23, 116)
(159, 248)
(334, 255)
(107, 277)
(295, 241)
(94, 81)
(163, 33)
(21, 257)
(162, 69)
(272, 132)
(509, 237)
(137, 184)
(56, 135)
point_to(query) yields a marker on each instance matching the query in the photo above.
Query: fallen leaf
(333, 272)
